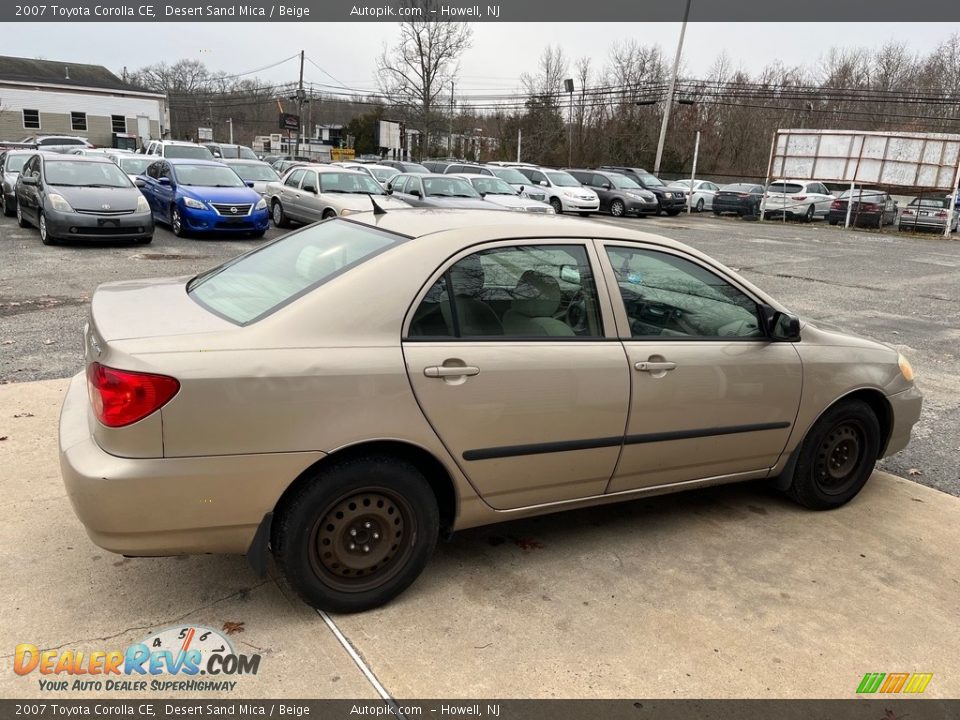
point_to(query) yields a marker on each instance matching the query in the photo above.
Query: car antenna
(377, 210)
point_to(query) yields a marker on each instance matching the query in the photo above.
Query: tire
(837, 456)
(811, 211)
(342, 508)
(7, 210)
(717, 213)
(834, 222)
(556, 205)
(278, 216)
(45, 236)
(617, 208)
(699, 206)
(21, 220)
(176, 222)
(327, 214)
(258, 234)
(584, 214)
(673, 213)
(144, 241)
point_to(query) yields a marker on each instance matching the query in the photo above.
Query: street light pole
(568, 86)
(672, 89)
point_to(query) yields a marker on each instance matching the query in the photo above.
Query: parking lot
(900, 289)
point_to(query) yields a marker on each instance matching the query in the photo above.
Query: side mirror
(249, 183)
(544, 183)
(416, 193)
(606, 186)
(570, 274)
(164, 181)
(140, 182)
(28, 180)
(780, 326)
(483, 195)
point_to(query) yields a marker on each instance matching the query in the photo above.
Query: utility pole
(519, 140)
(450, 129)
(568, 86)
(230, 123)
(673, 87)
(301, 97)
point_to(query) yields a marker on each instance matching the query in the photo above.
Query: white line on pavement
(364, 668)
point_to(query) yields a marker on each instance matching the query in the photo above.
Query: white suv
(564, 192)
(178, 149)
(803, 199)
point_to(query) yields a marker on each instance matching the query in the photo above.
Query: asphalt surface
(901, 289)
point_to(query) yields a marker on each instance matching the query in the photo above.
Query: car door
(290, 194)
(511, 353)
(413, 192)
(821, 196)
(27, 194)
(311, 202)
(166, 192)
(149, 189)
(711, 396)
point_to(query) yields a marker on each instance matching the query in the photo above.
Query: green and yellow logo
(914, 683)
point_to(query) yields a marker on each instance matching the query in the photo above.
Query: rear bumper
(858, 219)
(167, 506)
(98, 227)
(209, 221)
(740, 208)
(906, 407)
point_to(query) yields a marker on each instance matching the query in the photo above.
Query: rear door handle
(647, 366)
(441, 371)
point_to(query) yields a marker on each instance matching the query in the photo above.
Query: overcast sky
(500, 52)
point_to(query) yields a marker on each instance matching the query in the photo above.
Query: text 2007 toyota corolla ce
(342, 396)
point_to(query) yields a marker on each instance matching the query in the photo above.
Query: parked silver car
(499, 192)
(255, 171)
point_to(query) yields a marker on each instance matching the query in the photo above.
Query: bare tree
(419, 69)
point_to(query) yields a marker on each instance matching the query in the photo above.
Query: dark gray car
(437, 191)
(619, 195)
(11, 161)
(83, 198)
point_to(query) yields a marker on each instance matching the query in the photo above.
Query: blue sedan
(202, 196)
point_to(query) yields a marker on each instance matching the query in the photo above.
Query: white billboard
(388, 135)
(894, 159)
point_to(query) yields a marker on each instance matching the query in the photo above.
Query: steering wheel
(576, 314)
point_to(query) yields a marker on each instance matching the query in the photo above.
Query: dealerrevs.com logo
(193, 658)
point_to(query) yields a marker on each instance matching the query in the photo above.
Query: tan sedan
(307, 193)
(345, 395)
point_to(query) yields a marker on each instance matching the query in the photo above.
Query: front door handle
(654, 367)
(442, 371)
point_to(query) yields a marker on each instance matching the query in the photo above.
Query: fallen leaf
(23, 415)
(232, 628)
(49, 342)
(914, 472)
(3, 437)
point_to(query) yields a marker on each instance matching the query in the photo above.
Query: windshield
(624, 183)
(60, 141)
(258, 172)
(15, 162)
(785, 188)
(448, 187)
(384, 174)
(207, 176)
(258, 283)
(72, 173)
(349, 182)
(135, 165)
(562, 179)
(492, 186)
(511, 175)
(193, 152)
(871, 195)
(649, 180)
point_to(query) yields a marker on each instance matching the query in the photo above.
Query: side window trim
(624, 331)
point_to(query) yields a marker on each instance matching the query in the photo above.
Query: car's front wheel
(358, 534)
(278, 215)
(7, 208)
(45, 236)
(21, 220)
(556, 205)
(176, 222)
(700, 205)
(837, 456)
(617, 208)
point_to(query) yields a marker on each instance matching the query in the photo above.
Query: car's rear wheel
(278, 215)
(717, 213)
(556, 205)
(837, 456)
(700, 205)
(617, 208)
(45, 236)
(176, 222)
(810, 212)
(358, 535)
(21, 220)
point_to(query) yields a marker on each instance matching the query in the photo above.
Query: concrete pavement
(727, 592)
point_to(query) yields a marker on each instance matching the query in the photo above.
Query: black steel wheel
(358, 534)
(837, 456)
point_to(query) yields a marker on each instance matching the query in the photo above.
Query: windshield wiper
(465, 196)
(64, 184)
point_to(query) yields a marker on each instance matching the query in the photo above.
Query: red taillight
(799, 197)
(869, 207)
(942, 213)
(121, 397)
(907, 212)
(836, 205)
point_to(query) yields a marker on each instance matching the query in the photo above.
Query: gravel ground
(903, 290)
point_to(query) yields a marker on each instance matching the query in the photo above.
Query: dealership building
(47, 97)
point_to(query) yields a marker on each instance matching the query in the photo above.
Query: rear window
(931, 202)
(786, 188)
(192, 152)
(740, 187)
(254, 285)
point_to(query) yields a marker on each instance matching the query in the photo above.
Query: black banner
(879, 708)
(539, 11)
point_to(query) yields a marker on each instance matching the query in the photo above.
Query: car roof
(329, 168)
(193, 161)
(243, 161)
(177, 142)
(799, 181)
(76, 158)
(472, 176)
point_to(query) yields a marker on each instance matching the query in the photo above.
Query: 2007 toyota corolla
(346, 394)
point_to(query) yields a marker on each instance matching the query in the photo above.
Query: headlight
(346, 211)
(262, 204)
(142, 204)
(58, 202)
(906, 369)
(191, 203)
(519, 209)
